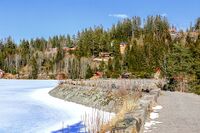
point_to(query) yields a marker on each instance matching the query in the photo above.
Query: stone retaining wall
(134, 121)
(99, 94)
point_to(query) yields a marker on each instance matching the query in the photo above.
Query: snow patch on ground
(158, 107)
(154, 115)
(152, 122)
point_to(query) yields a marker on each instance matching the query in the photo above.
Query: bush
(89, 72)
(115, 75)
(197, 89)
(171, 85)
(142, 74)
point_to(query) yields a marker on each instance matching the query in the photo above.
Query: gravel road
(180, 114)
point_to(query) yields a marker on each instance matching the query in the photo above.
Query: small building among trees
(105, 54)
(123, 46)
(97, 75)
(67, 49)
(157, 73)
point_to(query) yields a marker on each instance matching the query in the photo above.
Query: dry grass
(128, 91)
(121, 92)
(129, 104)
(95, 121)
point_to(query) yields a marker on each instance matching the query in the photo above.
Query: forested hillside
(148, 45)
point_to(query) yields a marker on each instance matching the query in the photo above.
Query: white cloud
(118, 15)
(164, 15)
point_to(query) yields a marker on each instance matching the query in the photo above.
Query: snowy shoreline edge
(75, 110)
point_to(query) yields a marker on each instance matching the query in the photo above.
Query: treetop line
(127, 47)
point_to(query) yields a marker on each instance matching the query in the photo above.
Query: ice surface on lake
(26, 107)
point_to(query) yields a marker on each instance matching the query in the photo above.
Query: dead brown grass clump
(129, 104)
(95, 121)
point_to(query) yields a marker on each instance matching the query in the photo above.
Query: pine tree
(89, 72)
(34, 68)
(197, 25)
(109, 69)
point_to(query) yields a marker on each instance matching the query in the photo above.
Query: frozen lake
(26, 107)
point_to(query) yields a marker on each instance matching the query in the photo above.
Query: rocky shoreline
(88, 96)
(109, 95)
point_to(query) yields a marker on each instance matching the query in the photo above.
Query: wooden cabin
(104, 54)
(97, 75)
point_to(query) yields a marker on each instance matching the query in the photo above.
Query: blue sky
(43, 18)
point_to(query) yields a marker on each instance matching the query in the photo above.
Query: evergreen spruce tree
(34, 68)
(89, 72)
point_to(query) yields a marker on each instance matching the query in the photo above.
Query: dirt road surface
(180, 113)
